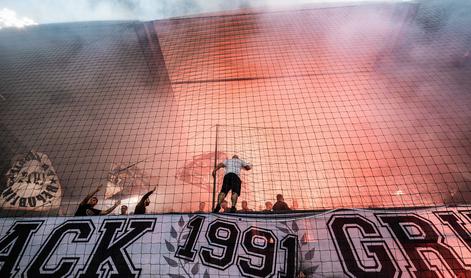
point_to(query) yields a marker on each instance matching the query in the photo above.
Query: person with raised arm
(86, 207)
(143, 203)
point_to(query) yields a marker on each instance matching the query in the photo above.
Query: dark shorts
(231, 182)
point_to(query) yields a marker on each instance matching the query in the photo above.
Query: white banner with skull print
(32, 184)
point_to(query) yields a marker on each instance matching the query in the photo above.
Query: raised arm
(219, 166)
(146, 195)
(108, 211)
(85, 201)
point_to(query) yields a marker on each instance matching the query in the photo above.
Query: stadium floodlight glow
(9, 18)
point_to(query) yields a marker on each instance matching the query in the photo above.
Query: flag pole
(215, 164)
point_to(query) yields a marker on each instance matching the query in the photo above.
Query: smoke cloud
(430, 59)
(8, 18)
(54, 11)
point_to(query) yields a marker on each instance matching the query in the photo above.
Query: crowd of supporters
(87, 206)
(279, 206)
(232, 182)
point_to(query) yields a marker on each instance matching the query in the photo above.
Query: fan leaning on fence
(231, 180)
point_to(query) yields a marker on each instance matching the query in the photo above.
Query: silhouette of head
(93, 201)
(124, 209)
(279, 197)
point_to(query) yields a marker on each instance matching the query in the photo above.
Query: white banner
(345, 243)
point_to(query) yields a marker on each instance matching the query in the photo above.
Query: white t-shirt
(234, 165)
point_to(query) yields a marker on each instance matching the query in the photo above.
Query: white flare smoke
(9, 18)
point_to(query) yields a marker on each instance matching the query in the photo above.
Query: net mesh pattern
(333, 108)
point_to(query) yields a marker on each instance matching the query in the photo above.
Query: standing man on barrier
(143, 203)
(231, 180)
(86, 206)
